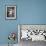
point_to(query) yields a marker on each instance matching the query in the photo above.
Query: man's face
(10, 12)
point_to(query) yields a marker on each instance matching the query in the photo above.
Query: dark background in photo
(10, 11)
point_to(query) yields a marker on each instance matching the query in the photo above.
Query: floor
(30, 43)
(7, 45)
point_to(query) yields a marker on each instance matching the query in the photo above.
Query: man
(10, 12)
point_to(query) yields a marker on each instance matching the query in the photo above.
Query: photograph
(11, 12)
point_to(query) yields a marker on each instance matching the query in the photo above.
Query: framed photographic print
(11, 12)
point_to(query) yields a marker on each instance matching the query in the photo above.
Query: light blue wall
(33, 12)
(28, 12)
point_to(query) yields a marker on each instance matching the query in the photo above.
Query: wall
(33, 12)
(28, 12)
